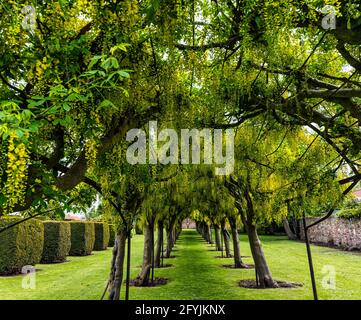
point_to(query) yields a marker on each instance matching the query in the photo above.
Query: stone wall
(337, 232)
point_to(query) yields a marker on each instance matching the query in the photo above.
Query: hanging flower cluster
(91, 152)
(16, 171)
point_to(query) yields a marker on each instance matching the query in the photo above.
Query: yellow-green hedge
(101, 236)
(57, 241)
(20, 245)
(82, 238)
(111, 236)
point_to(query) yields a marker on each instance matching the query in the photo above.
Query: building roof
(70, 216)
(357, 193)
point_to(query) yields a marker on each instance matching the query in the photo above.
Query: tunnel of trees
(84, 73)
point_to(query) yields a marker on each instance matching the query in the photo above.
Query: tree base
(251, 284)
(156, 282)
(166, 265)
(243, 266)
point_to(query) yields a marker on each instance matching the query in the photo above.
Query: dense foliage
(76, 75)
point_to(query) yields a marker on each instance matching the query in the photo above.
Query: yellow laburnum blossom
(91, 152)
(16, 170)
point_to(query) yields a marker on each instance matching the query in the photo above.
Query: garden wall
(337, 232)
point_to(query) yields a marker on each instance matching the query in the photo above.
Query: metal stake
(309, 256)
(128, 266)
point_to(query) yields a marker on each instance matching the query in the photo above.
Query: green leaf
(123, 74)
(66, 121)
(26, 114)
(106, 104)
(34, 126)
(20, 133)
(66, 107)
(111, 62)
(53, 109)
(122, 47)
(94, 61)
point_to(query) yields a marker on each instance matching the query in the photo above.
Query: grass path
(197, 274)
(200, 278)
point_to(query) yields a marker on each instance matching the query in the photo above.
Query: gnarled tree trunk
(217, 232)
(117, 266)
(144, 275)
(209, 234)
(159, 252)
(289, 232)
(263, 272)
(169, 243)
(226, 237)
(174, 236)
(200, 229)
(170, 236)
(238, 263)
(265, 279)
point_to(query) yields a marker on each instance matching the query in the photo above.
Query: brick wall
(342, 233)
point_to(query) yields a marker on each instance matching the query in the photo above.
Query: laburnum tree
(66, 94)
(277, 165)
(123, 192)
(76, 75)
(279, 58)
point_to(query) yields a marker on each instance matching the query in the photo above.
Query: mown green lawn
(196, 274)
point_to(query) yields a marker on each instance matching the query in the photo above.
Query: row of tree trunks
(152, 256)
(150, 260)
(117, 266)
(204, 230)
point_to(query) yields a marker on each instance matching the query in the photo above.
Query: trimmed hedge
(111, 236)
(82, 238)
(350, 213)
(20, 245)
(57, 241)
(101, 236)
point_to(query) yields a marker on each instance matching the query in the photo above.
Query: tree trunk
(202, 230)
(296, 228)
(217, 232)
(238, 263)
(143, 277)
(117, 266)
(209, 234)
(174, 237)
(264, 274)
(289, 232)
(159, 244)
(226, 237)
(169, 243)
(179, 230)
(205, 231)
